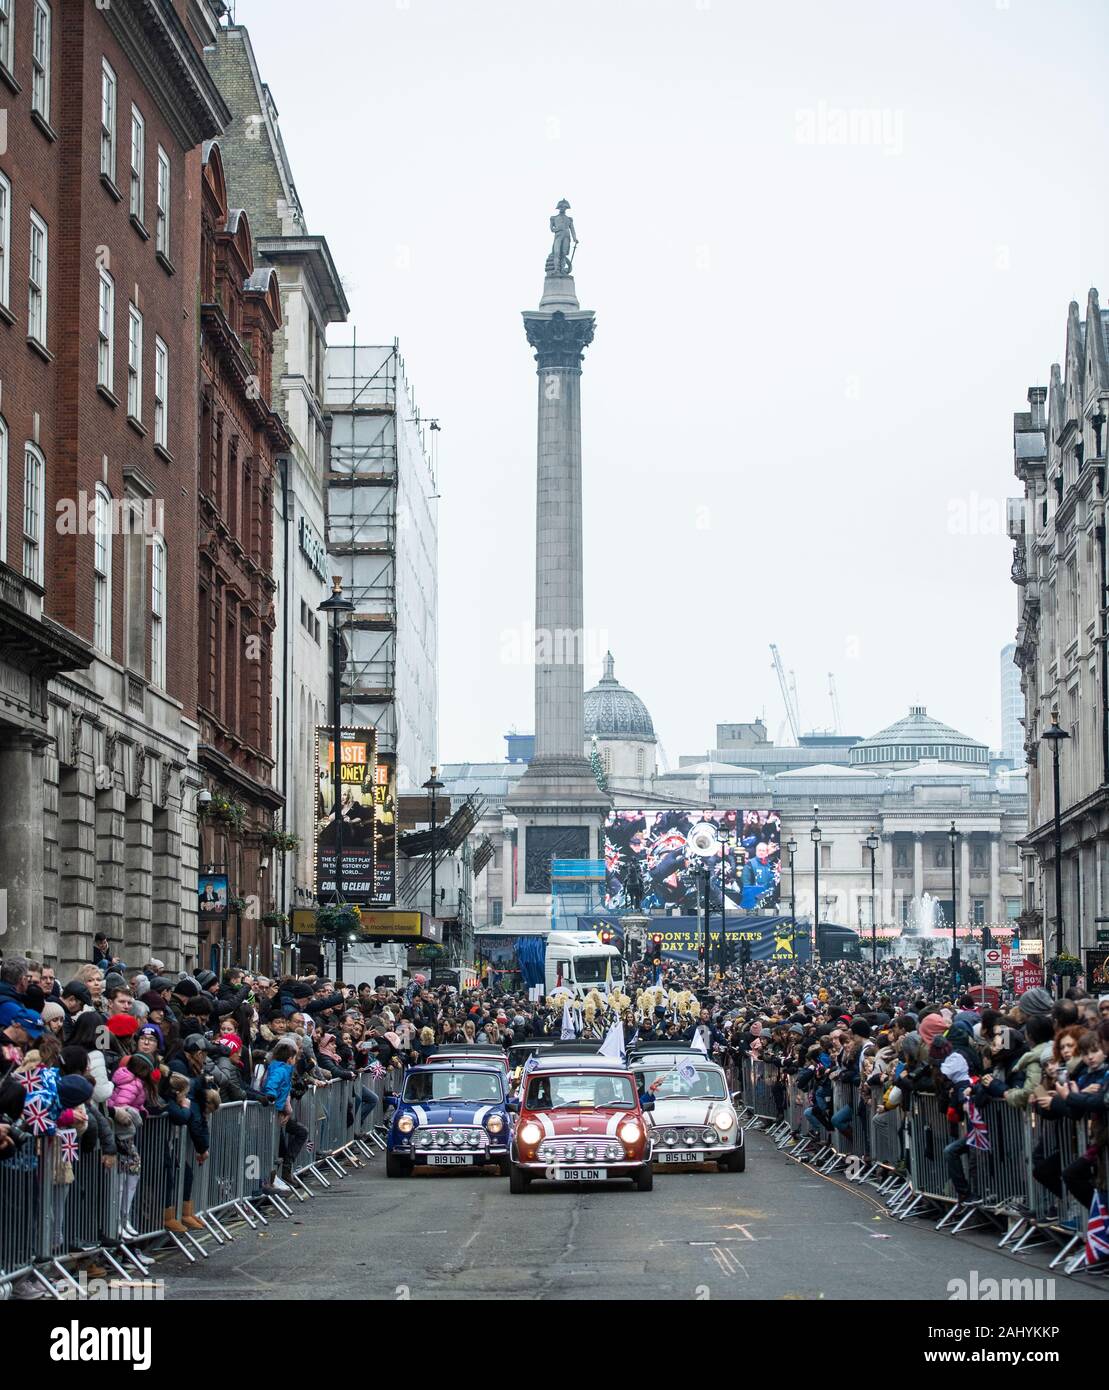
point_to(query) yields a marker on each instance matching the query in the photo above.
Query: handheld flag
(978, 1134)
(568, 1030)
(613, 1045)
(699, 1040)
(1097, 1232)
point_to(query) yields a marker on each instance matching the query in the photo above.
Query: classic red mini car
(580, 1120)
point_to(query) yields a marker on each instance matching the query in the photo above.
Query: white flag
(613, 1045)
(700, 1040)
(567, 1023)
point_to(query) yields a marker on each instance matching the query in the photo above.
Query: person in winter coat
(277, 1084)
(1032, 1066)
(1086, 1097)
(190, 1064)
(127, 1089)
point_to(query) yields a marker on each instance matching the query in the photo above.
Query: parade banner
(385, 831)
(649, 866)
(772, 939)
(355, 804)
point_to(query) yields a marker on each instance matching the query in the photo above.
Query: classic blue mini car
(449, 1115)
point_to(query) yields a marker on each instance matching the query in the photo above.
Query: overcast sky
(829, 245)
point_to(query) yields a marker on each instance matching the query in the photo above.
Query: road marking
(724, 1259)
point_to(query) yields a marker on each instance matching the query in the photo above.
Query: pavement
(776, 1231)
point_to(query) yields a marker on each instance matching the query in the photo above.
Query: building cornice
(158, 44)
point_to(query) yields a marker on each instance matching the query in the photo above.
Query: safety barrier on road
(65, 1205)
(914, 1156)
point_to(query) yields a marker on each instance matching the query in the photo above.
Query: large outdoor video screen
(650, 865)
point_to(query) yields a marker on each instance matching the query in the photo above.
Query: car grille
(450, 1138)
(685, 1136)
(598, 1150)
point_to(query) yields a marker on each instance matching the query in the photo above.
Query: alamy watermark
(127, 516)
(876, 127)
(975, 1289)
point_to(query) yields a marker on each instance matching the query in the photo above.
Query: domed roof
(612, 711)
(916, 737)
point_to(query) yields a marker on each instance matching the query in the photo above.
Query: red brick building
(106, 108)
(240, 436)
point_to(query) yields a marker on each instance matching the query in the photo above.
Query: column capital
(559, 339)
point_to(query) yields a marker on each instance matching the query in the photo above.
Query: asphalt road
(773, 1232)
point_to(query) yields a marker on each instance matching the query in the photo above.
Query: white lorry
(577, 960)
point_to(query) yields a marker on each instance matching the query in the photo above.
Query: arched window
(102, 572)
(158, 612)
(34, 504)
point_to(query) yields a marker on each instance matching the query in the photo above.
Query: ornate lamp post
(339, 608)
(431, 786)
(872, 843)
(791, 846)
(815, 836)
(1057, 735)
(953, 840)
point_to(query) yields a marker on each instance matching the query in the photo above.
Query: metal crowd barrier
(902, 1152)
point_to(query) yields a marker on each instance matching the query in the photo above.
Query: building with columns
(905, 785)
(1060, 571)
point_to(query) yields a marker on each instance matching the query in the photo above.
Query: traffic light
(987, 938)
(606, 936)
(656, 949)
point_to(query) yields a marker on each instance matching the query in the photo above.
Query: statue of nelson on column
(561, 259)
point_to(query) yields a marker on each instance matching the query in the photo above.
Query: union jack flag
(1097, 1232)
(978, 1134)
(70, 1147)
(377, 1070)
(36, 1111)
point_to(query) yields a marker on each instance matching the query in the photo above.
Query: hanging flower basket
(225, 809)
(1065, 966)
(236, 905)
(341, 917)
(276, 921)
(285, 842)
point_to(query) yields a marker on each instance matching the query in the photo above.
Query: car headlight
(630, 1132)
(531, 1133)
(724, 1119)
(442, 1139)
(689, 1136)
(425, 1141)
(494, 1124)
(709, 1136)
(457, 1138)
(406, 1124)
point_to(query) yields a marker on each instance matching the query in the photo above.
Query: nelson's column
(558, 807)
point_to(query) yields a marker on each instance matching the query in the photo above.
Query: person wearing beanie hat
(53, 1016)
(154, 1003)
(73, 1091)
(1033, 1002)
(185, 988)
(76, 996)
(931, 1027)
(151, 1040)
(123, 1025)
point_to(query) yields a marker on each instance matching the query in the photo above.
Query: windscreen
(684, 1080)
(448, 1084)
(583, 1092)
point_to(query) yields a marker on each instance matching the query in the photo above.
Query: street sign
(993, 975)
(993, 956)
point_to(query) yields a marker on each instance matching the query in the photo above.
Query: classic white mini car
(694, 1119)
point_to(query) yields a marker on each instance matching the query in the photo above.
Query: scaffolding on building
(366, 388)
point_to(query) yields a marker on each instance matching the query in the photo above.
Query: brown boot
(190, 1218)
(171, 1223)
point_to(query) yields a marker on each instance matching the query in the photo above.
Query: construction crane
(835, 703)
(789, 698)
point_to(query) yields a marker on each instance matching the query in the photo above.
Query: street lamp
(340, 608)
(1056, 735)
(431, 786)
(791, 845)
(872, 842)
(953, 840)
(815, 835)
